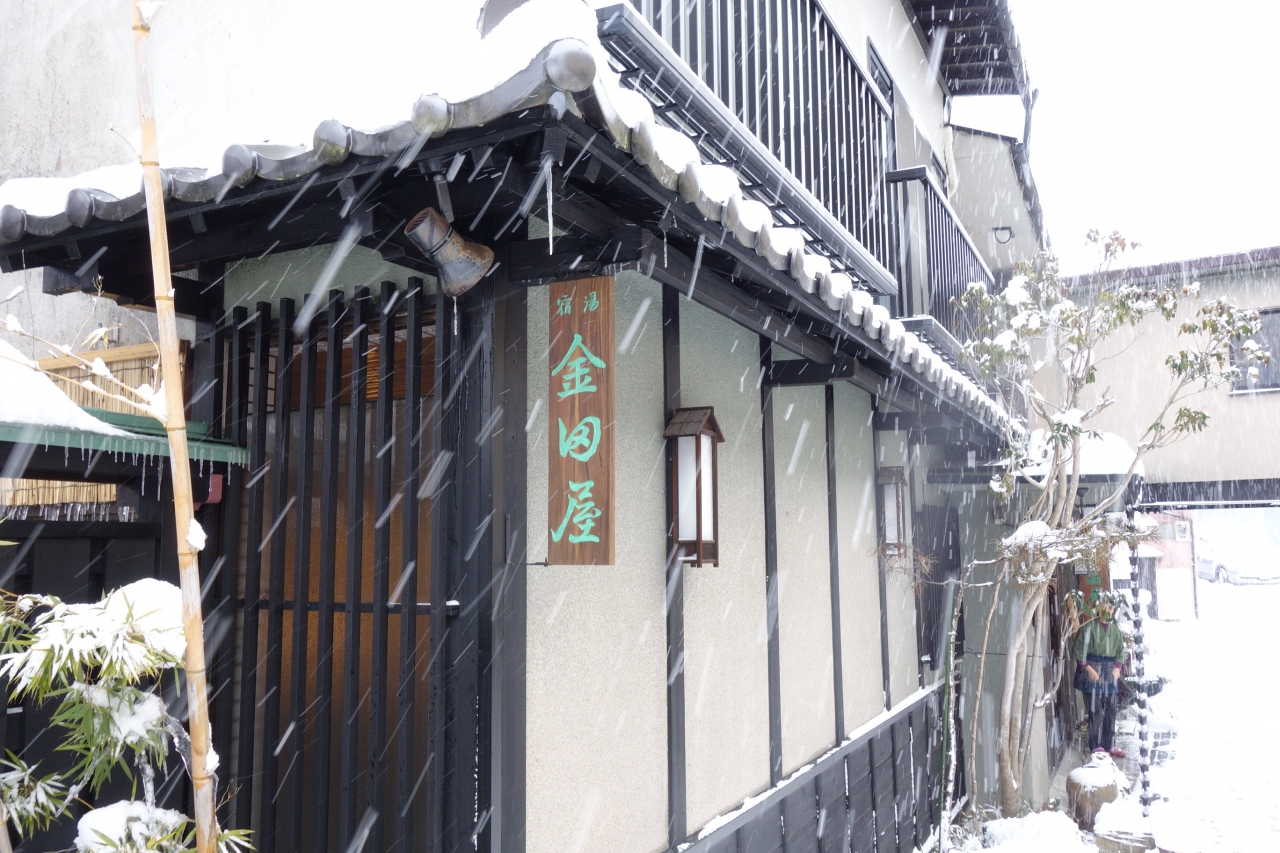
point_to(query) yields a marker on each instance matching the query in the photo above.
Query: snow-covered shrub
(102, 664)
(131, 826)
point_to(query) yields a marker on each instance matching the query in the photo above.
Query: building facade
(604, 552)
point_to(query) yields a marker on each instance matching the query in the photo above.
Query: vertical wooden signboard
(580, 508)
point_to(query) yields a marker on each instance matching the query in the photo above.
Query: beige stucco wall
(804, 576)
(726, 650)
(987, 195)
(1237, 444)
(597, 714)
(859, 569)
(900, 598)
(293, 275)
(885, 24)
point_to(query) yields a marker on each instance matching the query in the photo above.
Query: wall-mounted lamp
(1002, 233)
(694, 474)
(893, 514)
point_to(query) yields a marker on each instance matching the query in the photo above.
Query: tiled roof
(566, 73)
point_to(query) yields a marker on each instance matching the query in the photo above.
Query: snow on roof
(31, 398)
(543, 52)
(1106, 455)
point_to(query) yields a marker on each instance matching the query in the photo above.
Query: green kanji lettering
(582, 440)
(577, 378)
(581, 512)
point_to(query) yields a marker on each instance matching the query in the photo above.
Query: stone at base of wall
(1124, 842)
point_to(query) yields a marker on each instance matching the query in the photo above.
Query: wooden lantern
(694, 477)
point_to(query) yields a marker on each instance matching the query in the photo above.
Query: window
(893, 519)
(1268, 376)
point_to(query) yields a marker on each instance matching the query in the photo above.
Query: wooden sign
(580, 499)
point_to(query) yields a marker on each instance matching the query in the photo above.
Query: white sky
(1160, 119)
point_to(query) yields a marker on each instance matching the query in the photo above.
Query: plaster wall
(804, 575)
(1132, 366)
(859, 569)
(884, 24)
(224, 71)
(71, 318)
(987, 195)
(726, 651)
(596, 772)
(293, 275)
(900, 598)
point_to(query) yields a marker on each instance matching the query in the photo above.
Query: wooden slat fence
(876, 793)
(321, 728)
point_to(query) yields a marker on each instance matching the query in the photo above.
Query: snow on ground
(1214, 782)
(1040, 832)
(1217, 787)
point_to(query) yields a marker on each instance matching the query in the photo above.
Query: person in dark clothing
(1099, 654)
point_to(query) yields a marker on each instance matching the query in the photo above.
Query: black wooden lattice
(330, 664)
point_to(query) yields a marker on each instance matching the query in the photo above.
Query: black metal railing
(951, 261)
(781, 72)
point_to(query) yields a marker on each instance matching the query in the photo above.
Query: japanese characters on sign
(580, 509)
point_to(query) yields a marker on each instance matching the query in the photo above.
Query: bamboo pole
(176, 426)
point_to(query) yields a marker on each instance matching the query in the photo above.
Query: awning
(144, 437)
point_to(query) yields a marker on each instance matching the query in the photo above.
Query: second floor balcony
(772, 89)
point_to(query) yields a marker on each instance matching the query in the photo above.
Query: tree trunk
(176, 427)
(982, 668)
(1029, 709)
(1010, 728)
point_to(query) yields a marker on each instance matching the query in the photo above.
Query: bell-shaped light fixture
(694, 476)
(460, 264)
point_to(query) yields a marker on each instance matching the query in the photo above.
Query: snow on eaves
(31, 398)
(546, 51)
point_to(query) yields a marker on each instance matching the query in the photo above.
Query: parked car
(1262, 571)
(1263, 568)
(1208, 566)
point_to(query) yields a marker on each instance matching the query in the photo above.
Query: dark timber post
(384, 440)
(505, 832)
(268, 793)
(833, 538)
(235, 427)
(298, 670)
(328, 561)
(462, 560)
(351, 700)
(677, 818)
(408, 582)
(884, 591)
(253, 564)
(771, 565)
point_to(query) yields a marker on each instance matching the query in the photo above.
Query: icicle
(148, 779)
(551, 229)
(697, 263)
(455, 316)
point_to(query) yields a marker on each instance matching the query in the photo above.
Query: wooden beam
(771, 567)
(677, 804)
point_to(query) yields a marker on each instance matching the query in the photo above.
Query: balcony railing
(781, 69)
(951, 261)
